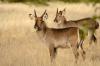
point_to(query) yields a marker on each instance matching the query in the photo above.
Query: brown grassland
(20, 46)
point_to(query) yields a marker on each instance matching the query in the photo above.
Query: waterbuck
(56, 38)
(86, 25)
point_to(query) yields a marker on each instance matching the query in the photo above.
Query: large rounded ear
(31, 16)
(64, 11)
(45, 17)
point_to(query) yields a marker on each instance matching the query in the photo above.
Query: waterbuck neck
(64, 21)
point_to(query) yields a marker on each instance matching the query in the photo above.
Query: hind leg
(82, 38)
(83, 53)
(74, 46)
(76, 53)
(82, 50)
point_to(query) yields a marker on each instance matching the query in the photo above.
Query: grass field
(20, 46)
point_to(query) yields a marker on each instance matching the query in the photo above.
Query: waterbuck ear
(31, 16)
(45, 17)
(64, 11)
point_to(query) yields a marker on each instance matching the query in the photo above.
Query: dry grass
(19, 44)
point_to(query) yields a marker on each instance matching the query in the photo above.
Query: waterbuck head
(39, 21)
(60, 16)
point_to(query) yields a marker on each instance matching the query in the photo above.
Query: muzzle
(37, 28)
(55, 20)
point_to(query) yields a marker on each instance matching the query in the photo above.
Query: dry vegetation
(19, 44)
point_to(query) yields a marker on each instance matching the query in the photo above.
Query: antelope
(55, 38)
(86, 25)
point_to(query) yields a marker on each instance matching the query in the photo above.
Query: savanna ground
(20, 46)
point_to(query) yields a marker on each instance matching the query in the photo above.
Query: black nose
(55, 20)
(35, 26)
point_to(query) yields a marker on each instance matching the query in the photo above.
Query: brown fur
(90, 24)
(57, 38)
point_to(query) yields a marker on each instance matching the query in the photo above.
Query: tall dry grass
(20, 46)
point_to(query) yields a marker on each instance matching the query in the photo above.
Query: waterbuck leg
(83, 52)
(82, 37)
(81, 44)
(76, 54)
(53, 52)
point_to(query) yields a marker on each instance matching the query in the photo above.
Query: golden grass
(20, 46)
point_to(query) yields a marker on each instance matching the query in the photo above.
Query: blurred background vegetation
(46, 1)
